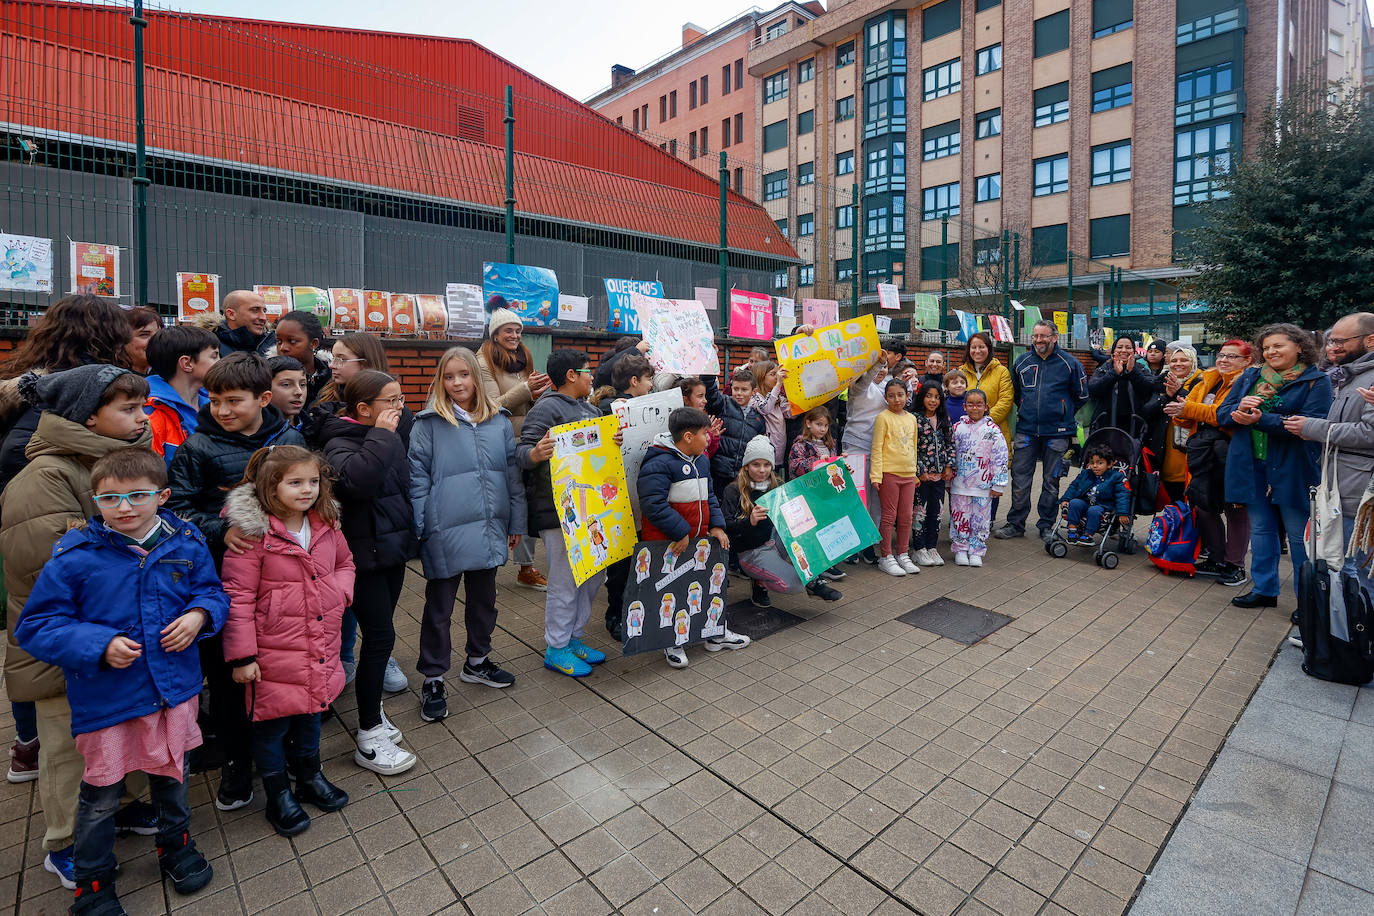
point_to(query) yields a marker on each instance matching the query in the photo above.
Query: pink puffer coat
(286, 606)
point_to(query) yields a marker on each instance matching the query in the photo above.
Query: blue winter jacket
(1048, 393)
(1110, 490)
(160, 392)
(1292, 466)
(95, 588)
(465, 491)
(676, 496)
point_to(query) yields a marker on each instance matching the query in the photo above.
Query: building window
(774, 136)
(987, 4)
(990, 59)
(1206, 93)
(692, 144)
(1207, 26)
(989, 187)
(662, 108)
(1111, 163)
(940, 19)
(941, 79)
(987, 124)
(806, 122)
(987, 251)
(806, 173)
(1200, 155)
(704, 91)
(739, 180)
(692, 95)
(1111, 16)
(705, 145)
(844, 54)
(725, 80)
(776, 30)
(884, 99)
(635, 119)
(844, 108)
(844, 270)
(780, 280)
(775, 185)
(885, 39)
(725, 133)
(782, 226)
(1109, 236)
(775, 87)
(844, 216)
(739, 128)
(1052, 175)
(886, 156)
(672, 148)
(806, 71)
(844, 164)
(806, 224)
(940, 141)
(1052, 104)
(806, 275)
(1335, 42)
(1052, 33)
(1112, 88)
(884, 217)
(739, 73)
(1050, 244)
(941, 200)
(672, 104)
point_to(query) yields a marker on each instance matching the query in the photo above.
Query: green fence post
(1004, 254)
(854, 246)
(723, 301)
(510, 174)
(140, 179)
(1071, 294)
(944, 270)
(1016, 275)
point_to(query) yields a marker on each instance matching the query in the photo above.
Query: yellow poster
(820, 364)
(1061, 321)
(588, 474)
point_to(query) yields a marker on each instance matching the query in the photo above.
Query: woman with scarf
(1268, 468)
(1169, 440)
(1222, 525)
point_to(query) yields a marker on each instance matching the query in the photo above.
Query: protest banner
(858, 471)
(376, 311)
(1080, 326)
(621, 317)
(25, 263)
(674, 599)
(817, 312)
(1061, 322)
(642, 419)
(786, 319)
(819, 519)
(345, 310)
(529, 292)
(277, 301)
(465, 316)
(1031, 316)
(197, 294)
(403, 314)
(888, 297)
(312, 299)
(572, 308)
(679, 335)
(95, 269)
(927, 311)
(819, 365)
(431, 316)
(751, 315)
(588, 476)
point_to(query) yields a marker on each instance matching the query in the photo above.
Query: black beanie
(73, 394)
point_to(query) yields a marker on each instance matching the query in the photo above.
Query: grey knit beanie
(73, 394)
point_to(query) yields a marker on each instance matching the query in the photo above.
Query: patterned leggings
(970, 517)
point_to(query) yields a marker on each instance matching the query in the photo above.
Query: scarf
(1267, 387)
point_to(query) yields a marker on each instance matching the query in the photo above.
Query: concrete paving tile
(1307, 740)
(1356, 764)
(1286, 683)
(1269, 805)
(1325, 896)
(1208, 873)
(1346, 836)
(698, 885)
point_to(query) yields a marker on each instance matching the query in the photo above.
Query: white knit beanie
(758, 447)
(502, 317)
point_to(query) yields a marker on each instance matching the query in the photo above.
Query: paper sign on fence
(679, 335)
(465, 316)
(751, 315)
(819, 365)
(888, 297)
(530, 292)
(572, 308)
(882, 323)
(927, 311)
(346, 310)
(786, 315)
(431, 317)
(817, 312)
(968, 324)
(1001, 328)
(588, 476)
(95, 269)
(708, 296)
(376, 311)
(311, 299)
(403, 314)
(197, 294)
(622, 318)
(27, 263)
(277, 301)
(642, 419)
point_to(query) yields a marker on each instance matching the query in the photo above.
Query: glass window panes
(844, 164)
(780, 280)
(940, 141)
(806, 275)
(806, 224)
(940, 19)
(1110, 16)
(989, 187)
(806, 173)
(844, 54)
(987, 251)
(940, 200)
(989, 59)
(1052, 33)
(1109, 236)
(782, 226)
(885, 39)
(806, 70)
(1051, 175)
(1207, 26)
(941, 79)
(1112, 87)
(1206, 93)
(806, 122)
(1111, 162)
(844, 108)
(844, 269)
(987, 123)
(775, 185)
(987, 4)
(1200, 155)
(775, 87)
(1052, 104)
(1050, 244)
(774, 136)
(885, 98)
(844, 216)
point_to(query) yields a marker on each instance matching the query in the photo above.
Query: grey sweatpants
(567, 605)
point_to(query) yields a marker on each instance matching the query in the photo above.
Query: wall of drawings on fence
(674, 599)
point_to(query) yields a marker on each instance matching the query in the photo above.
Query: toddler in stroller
(1097, 502)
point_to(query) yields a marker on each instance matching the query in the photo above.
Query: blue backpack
(1173, 545)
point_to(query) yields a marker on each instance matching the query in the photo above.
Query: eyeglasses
(1225, 355)
(136, 498)
(1339, 341)
(393, 400)
(588, 371)
(339, 360)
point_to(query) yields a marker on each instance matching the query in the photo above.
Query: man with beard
(1049, 387)
(245, 325)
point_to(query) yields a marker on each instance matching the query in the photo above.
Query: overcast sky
(569, 44)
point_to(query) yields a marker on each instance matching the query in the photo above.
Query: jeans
(25, 721)
(929, 495)
(1264, 542)
(270, 738)
(479, 619)
(1048, 452)
(1078, 510)
(375, 595)
(95, 825)
(897, 496)
(524, 551)
(348, 632)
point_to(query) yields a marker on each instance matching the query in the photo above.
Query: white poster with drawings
(641, 420)
(572, 308)
(26, 265)
(787, 314)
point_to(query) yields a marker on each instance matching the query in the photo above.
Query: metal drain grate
(758, 622)
(955, 620)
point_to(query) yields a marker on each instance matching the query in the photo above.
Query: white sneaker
(889, 565)
(393, 733)
(908, 567)
(729, 640)
(394, 680)
(923, 558)
(975, 560)
(676, 656)
(960, 558)
(934, 556)
(378, 753)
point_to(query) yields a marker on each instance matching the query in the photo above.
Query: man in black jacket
(245, 327)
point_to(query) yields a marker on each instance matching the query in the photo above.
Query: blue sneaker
(586, 653)
(136, 817)
(565, 662)
(60, 863)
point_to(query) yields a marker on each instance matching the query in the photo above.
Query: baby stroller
(1113, 538)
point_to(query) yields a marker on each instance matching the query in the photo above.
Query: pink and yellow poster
(347, 314)
(751, 315)
(817, 312)
(95, 269)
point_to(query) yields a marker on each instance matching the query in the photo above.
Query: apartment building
(1089, 128)
(699, 100)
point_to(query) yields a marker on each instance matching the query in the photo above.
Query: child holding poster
(771, 403)
(893, 473)
(980, 476)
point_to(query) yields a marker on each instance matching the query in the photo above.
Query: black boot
(313, 788)
(283, 813)
(97, 898)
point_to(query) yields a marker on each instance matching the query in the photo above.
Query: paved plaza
(848, 764)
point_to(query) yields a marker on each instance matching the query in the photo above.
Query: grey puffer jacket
(1351, 424)
(466, 492)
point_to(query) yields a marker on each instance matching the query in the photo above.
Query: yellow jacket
(894, 445)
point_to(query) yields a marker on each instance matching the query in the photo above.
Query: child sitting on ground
(678, 504)
(120, 607)
(1098, 489)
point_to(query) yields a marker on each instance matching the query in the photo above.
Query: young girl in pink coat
(287, 595)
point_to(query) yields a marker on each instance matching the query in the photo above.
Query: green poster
(1032, 316)
(820, 519)
(927, 311)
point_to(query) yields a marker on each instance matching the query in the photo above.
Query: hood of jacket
(243, 511)
(163, 393)
(59, 436)
(1352, 370)
(12, 403)
(273, 425)
(243, 339)
(334, 427)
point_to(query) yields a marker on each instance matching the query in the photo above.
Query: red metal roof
(370, 108)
